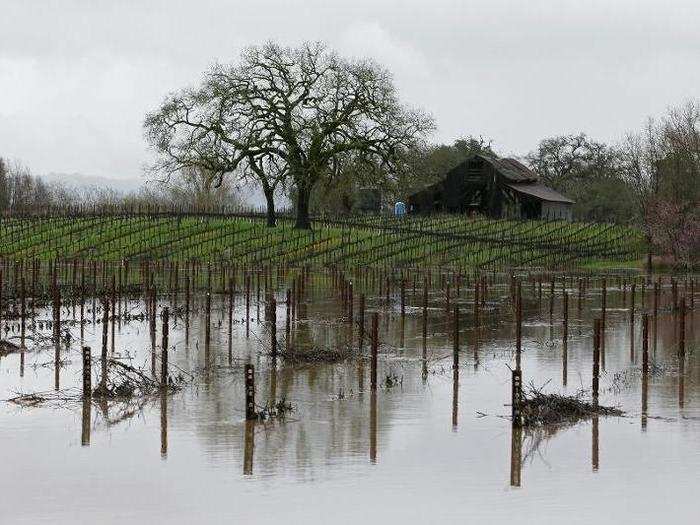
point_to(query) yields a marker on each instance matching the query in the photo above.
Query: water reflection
(516, 455)
(328, 436)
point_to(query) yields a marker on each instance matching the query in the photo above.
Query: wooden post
(351, 311)
(375, 348)
(87, 376)
(518, 325)
(403, 299)
(551, 299)
(601, 337)
(207, 327)
(249, 372)
(273, 327)
(23, 314)
(596, 358)
(447, 298)
(105, 332)
(247, 306)
(164, 349)
(517, 397)
(681, 329)
(565, 341)
(287, 328)
(361, 323)
(455, 338)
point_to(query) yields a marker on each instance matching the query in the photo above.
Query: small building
(498, 188)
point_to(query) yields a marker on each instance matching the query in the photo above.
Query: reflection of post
(425, 324)
(87, 376)
(163, 424)
(86, 421)
(230, 320)
(681, 352)
(681, 383)
(273, 382)
(455, 397)
(645, 367)
(645, 388)
(594, 445)
(516, 455)
(656, 313)
(248, 447)
(373, 427)
(565, 340)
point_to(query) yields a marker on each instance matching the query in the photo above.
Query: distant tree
(307, 107)
(196, 187)
(662, 167)
(4, 186)
(587, 171)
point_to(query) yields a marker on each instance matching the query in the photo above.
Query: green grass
(450, 241)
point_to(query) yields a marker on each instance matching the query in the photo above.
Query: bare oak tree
(304, 112)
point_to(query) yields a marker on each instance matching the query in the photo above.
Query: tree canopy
(306, 109)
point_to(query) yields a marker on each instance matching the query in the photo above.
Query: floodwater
(431, 448)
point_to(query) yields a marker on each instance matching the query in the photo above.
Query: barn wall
(557, 210)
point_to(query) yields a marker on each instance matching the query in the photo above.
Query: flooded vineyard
(184, 393)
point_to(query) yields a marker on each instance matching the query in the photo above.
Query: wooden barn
(499, 188)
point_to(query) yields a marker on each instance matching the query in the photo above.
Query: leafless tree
(662, 166)
(305, 111)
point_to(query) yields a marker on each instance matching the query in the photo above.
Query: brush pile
(318, 354)
(125, 381)
(540, 409)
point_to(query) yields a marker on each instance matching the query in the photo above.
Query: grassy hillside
(453, 241)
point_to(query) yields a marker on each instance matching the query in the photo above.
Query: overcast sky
(77, 76)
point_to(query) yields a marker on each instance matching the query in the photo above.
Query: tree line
(23, 192)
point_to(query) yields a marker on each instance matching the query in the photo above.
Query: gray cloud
(76, 77)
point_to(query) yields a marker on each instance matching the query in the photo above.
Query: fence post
(455, 339)
(596, 357)
(273, 327)
(87, 375)
(375, 347)
(164, 349)
(249, 392)
(517, 396)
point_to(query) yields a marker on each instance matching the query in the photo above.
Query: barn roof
(511, 169)
(540, 191)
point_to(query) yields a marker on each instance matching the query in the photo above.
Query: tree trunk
(303, 221)
(271, 214)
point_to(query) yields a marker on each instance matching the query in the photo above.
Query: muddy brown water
(432, 448)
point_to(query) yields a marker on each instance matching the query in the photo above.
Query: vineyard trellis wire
(242, 236)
